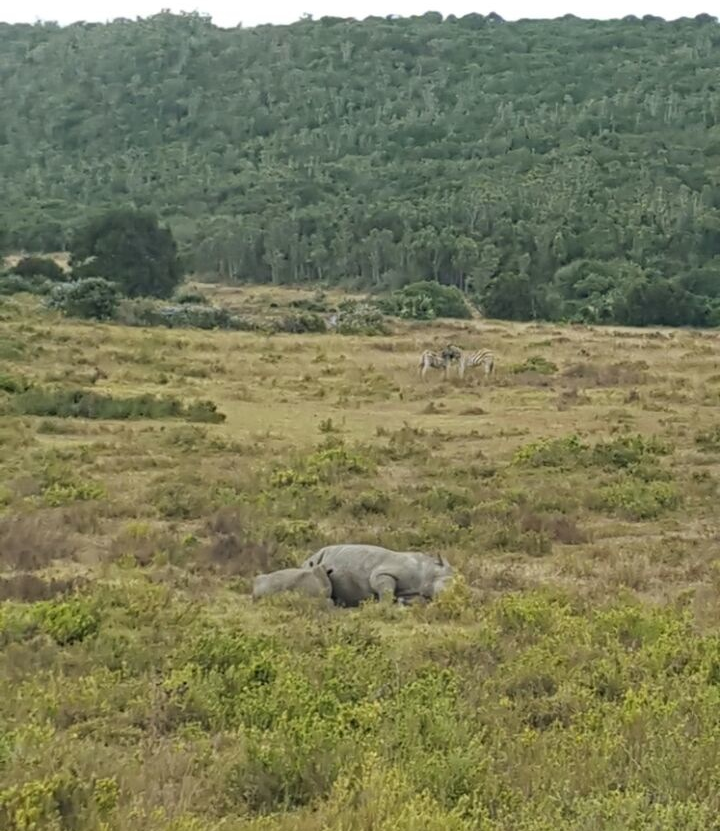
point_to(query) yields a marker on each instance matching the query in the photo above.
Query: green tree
(131, 249)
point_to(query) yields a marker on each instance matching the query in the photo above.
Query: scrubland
(570, 679)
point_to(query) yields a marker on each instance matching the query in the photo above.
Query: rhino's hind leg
(384, 586)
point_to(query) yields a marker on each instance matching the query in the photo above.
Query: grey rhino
(360, 572)
(313, 582)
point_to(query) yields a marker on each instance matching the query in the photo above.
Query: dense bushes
(68, 403)
(39, 267)
(146, 312)
(92, 297)
(426, 300)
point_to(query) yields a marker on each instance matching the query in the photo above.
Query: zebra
(482, 357)
(433, 360)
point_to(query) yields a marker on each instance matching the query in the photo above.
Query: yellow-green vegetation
(569, 678)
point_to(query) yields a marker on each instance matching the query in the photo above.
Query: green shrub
(15, 284)
(147, 312)
(426, 300)
(39, 267)
(300, 323)
(78, 403)
(627, 451)
(65, 493)
(317, 303)
(91, 297)
(195, 298)
(637, 500)
(67, 621)
(13, 384)
(564, 452)
(537, 364)
(357, 318)
(370, 502)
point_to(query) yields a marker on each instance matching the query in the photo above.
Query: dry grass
(140, 539)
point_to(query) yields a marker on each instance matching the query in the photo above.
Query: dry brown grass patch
(31, 541)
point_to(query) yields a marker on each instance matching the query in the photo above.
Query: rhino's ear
(440, 561)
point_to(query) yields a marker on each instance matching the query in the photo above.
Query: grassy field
(570, 679)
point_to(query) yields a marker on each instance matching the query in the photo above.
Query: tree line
(564, 169)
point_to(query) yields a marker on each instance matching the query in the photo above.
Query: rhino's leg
(384, 586)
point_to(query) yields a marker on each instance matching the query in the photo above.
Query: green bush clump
(15, 284)
(370, 502)
(13, 384)
(426, 300)
(326, 466)
(78, 403)
(318, 302)
(39, 267)
(91, 297)
(188, 296)
(564, 452)
(636, 499)
(67, 622)
(631, 452)
(148, 312)
(300, 323)
(65, 493)
(357, 318)
(537, 364)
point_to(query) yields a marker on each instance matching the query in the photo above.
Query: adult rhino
(360, 572)
(313, 582)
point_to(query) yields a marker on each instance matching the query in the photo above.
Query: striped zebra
(442, 360)
(481, 357)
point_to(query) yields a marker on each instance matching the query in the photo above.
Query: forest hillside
(562, 169)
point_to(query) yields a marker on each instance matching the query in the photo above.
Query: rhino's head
(441, 576)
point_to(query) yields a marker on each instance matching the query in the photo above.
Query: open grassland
(569, 680)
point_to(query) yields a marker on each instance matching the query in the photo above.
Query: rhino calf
(313, 582)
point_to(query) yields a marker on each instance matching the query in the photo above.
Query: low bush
(300, 323)
(318, 302)
(189, 297)
(636, 500)
(537, 364)
(426, 300)
(186, 315)
(39, 267)
(12, 384)
(355, 318)
(79, 403)
(91, 297)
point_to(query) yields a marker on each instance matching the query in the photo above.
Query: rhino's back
(350, 555)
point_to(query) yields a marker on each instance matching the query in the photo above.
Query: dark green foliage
(12, 384)
(359, 319)
(147, 312)
(300, 322)
(191, 297)
(68, 403)
(39, 267)
(427, 300)
(15, 284)
(130, 248)
(561, 169)
(91, 297)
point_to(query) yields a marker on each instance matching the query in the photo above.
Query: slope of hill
(571, 680)
(555, 168)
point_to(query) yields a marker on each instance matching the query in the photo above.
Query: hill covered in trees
(556, 169)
